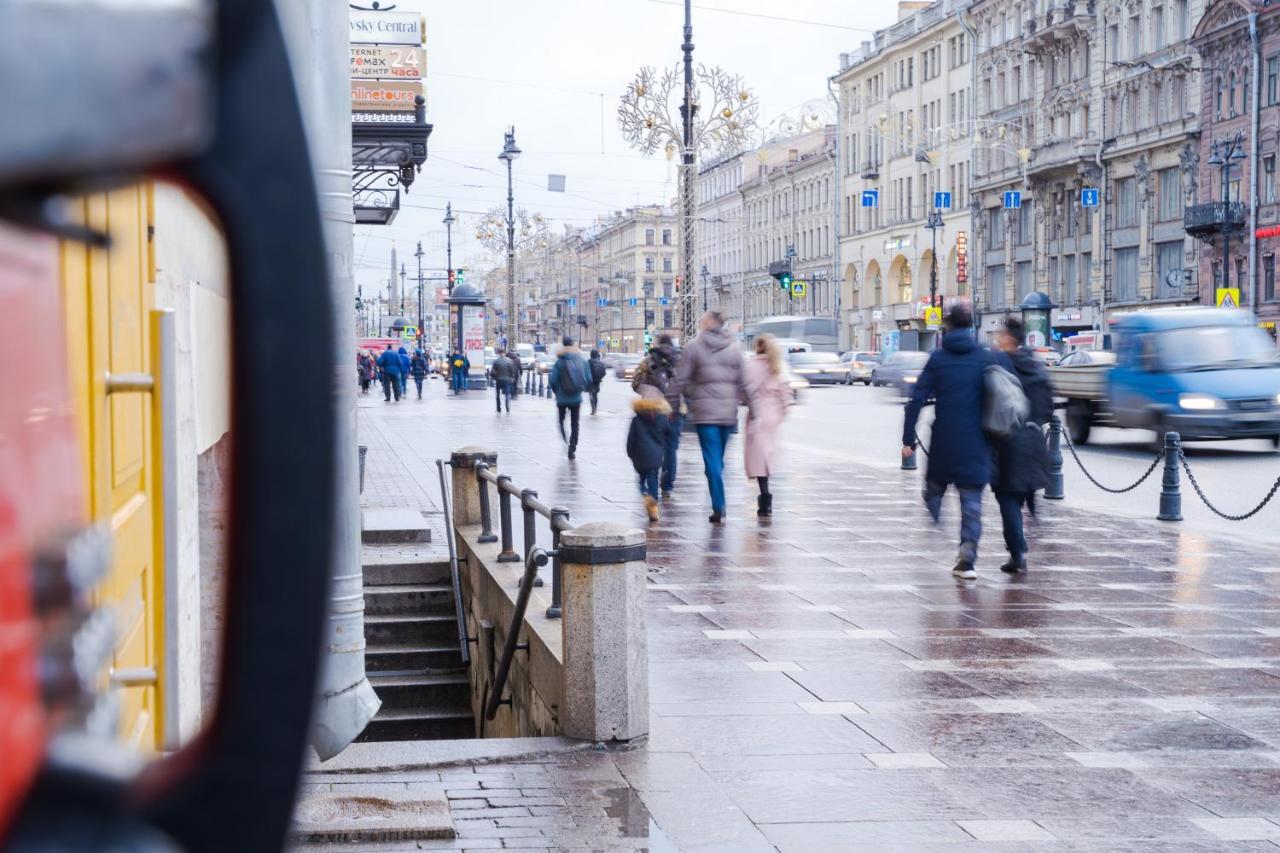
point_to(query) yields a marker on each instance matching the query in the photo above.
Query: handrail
(537, 557)
(557, 517)
(464, 643)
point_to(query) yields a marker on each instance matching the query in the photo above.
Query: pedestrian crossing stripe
(1227, 297)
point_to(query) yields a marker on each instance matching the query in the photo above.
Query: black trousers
(574, 411)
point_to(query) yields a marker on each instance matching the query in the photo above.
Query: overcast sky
(556, 69)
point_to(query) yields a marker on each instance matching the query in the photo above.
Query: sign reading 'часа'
(386, 28)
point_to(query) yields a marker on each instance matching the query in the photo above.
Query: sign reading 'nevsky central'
(386, 27)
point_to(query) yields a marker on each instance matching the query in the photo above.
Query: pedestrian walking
(570, 378)
(504, 373)
(596, 363)
(709, 377)
(959, 453)
(389, 364)
(366, 369)
(459, 370)
(1022, 460)
(405, 363)
(515, 359)
(645, 441)
(418, 369)
(768, 395)
(659, 369)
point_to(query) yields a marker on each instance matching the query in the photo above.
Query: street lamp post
(421, 317)
(705, 273)
(510, 151)
(402, 278)
(449, 219)
(1223, 154)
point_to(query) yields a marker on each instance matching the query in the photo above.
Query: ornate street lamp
(510, 151)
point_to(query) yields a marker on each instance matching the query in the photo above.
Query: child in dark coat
(645, 442)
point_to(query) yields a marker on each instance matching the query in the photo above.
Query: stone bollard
(1170, 487)
(606, 662)
(909, 462)
(1053, 491)
(364, 451)
(465, 493)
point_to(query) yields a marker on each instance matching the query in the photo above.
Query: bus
(819, 332)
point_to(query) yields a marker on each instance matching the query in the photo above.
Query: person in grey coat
(504, 373)
(709, 377)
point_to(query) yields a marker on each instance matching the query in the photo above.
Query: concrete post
(465, 495)
(606, 662)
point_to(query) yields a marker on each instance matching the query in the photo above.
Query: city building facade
(637, 257)
(906, 121)
(720, 234)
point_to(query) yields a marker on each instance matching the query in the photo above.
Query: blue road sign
(942, 200)
(632, 302)
(871, 198)
(1013, 199)
(662, 300)
(572, 302)
(602, 303)
(1089, 197)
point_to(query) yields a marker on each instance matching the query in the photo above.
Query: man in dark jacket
(459, 370)
(709, 377)
(504, 374)
(418, 369)
(405, 363)
(569, 378)
(515, 359)
(659, 369)
(596, 363)
(959, 453)
(389, 364)
(1022, 461)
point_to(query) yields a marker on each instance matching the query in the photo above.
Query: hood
(649, 405)
(1028, 368)
(716, 339)
(402, 351)
(565, 351)
(959, 341)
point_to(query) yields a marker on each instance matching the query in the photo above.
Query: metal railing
(464, 642)
(537, 557)
(530, 506)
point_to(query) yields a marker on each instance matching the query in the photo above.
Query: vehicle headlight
(909, 379)
(805, 371)
(1277, 400)
(1199, 402)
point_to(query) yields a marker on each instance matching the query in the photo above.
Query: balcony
(1067, 21)
(870, 170)
(1214, 217)
(1060, 154)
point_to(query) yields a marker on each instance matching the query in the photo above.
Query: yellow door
(109, 296)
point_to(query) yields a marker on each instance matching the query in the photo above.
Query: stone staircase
(412, 655)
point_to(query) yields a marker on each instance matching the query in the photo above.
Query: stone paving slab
(820, 682)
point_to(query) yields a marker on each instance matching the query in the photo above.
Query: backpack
(1005, 405)
(597, 372)
(571, 379)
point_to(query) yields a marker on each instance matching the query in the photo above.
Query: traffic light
(784, 280)
(451, 277)
(460, 272)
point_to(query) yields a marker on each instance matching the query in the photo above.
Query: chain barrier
(1154, 463)
(1186, 466)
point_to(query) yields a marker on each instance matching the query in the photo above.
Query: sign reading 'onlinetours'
(386, 28)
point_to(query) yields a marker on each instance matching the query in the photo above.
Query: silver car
(860, 366)
(900, 369)
(819, 368)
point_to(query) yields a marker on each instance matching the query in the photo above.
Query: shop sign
(388, 62)
(1267, 231)
(370, 96)
(369, 27)
(962, 257)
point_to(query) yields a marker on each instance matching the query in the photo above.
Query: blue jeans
(501, 389)
(714, 439)
(1011, 520)
(459, 381)
(970, 514)
(671, 444)
(649, 483)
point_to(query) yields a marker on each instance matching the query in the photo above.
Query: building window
(648, 236)
(1026, 279)
(1269, 178)
(1157, 28)
(1072, 284)
(1231, 95)
(1026, 223)
(1273, 80)
(1126, 202)
(1169, 187)
(666, 236)
(1086, 272)
(648, 264)
(995, 286)
(666, 288)
(1217, 98)
(666, 264)
(1135, 37)
(1126, 275)
(995, 228)
(1268, 278)
(1169, 261)
(666, 319)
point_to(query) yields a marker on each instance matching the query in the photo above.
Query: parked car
(542, 362)
(900, 369)
(860, 366)
(819, 368)
(1206, 373)
(625, 364)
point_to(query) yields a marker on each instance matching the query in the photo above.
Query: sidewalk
(821, 682)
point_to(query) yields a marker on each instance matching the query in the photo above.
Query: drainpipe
(316, 33)
(1255, 117)
(835, 215)
(976, 267)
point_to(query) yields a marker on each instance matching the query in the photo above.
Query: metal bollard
(540, 388)
(1053, 491)
(528, 382)
(558, 514)
(909, 462)
(508, 554)
(1170, 488)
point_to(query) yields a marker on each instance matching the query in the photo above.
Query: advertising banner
(387, 62)
(378, 27)
(473, 336)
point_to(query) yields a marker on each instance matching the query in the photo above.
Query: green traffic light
(784, 281)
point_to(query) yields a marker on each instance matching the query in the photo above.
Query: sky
(555, 69)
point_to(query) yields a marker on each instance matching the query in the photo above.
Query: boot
(651, 509)
(764, 506)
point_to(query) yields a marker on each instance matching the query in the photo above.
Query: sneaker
(964, 570)
(716, 517)
(1015, 567)
(651, 509)
(666, 493)
(571, 452)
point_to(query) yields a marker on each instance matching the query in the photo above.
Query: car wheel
(1079, 421)
(866, 383)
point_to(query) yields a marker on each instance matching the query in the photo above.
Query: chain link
(1186, 466)
(1154, 462)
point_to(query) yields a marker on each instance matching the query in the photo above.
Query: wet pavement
(819, 681)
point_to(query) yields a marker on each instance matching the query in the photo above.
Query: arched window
(1217, 99)
(1231, 95)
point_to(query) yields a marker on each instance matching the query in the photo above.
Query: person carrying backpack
(1022, 460)
(389, 365)
(959, 452)
(597, 376)
(459, 369)
(570, 378)
(418, 369)
(659, 369)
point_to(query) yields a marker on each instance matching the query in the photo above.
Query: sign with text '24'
(1013, 199)
(870, 198)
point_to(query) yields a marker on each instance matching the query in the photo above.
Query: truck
(1205, 373)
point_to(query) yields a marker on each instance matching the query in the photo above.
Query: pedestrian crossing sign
(798, 289)
(933, 317)
(1227, 297)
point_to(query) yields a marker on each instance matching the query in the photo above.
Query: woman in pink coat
(767, 397)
